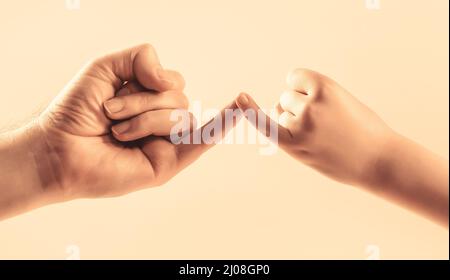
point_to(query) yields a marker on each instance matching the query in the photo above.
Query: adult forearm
(415, 177)
(23, 183)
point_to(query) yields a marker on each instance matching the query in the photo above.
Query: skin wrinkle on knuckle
(99, 69)
(128, 65)
(144, 101)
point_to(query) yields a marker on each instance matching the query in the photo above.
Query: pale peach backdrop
(233, 202)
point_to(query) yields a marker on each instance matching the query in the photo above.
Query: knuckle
(98, 60)
(96, 64)
(147, 46)
(181, 83)
(93, 62)
(310, 78)
(99, 67)
(143, 101)
(285, 98)
(184, 101)
(304, 73)
(141, 120)
(178, 99)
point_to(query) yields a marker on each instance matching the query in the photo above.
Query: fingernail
(165, 77)
(114, 105)
(243, 99)
(121, 128)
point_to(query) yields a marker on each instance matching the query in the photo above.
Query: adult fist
(87, 153)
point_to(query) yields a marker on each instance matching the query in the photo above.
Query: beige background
(233, 202)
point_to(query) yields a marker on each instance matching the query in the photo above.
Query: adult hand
(77, 149)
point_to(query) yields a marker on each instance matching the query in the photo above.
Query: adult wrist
(42, 162)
